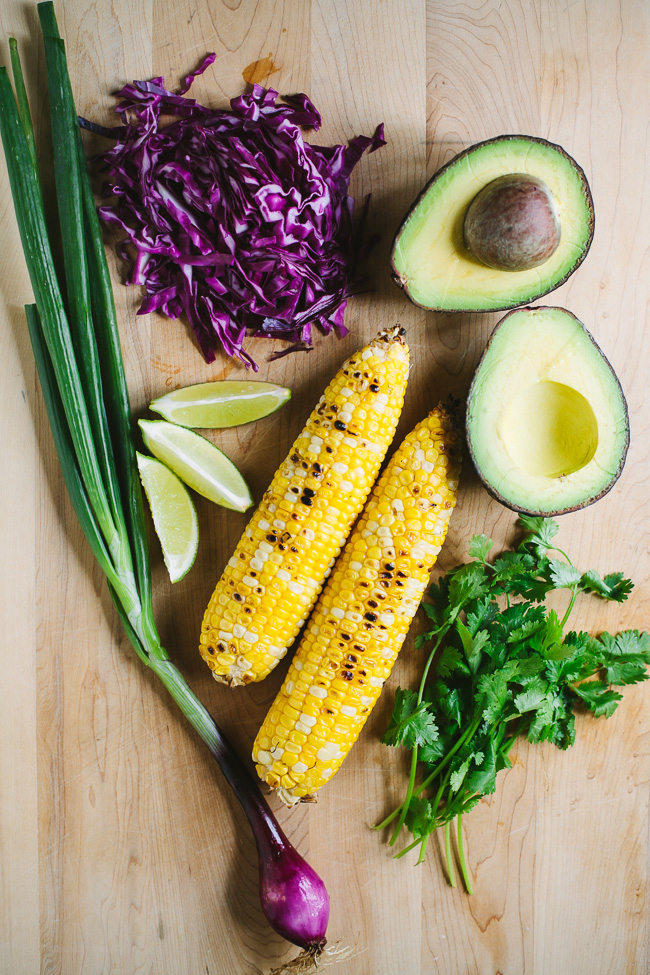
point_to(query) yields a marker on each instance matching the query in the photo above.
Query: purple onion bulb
(293, 896)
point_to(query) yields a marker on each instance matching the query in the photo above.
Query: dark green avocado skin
(491, 490)
(507, 304)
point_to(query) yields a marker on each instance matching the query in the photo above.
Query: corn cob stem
(363, 614)
(272, 581)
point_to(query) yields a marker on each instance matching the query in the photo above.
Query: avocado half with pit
(504, 222)
(547, 423)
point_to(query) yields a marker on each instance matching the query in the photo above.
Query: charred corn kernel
(272, 581)
(362, 642)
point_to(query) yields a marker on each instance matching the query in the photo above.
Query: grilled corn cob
(272, 581)
(363, 614)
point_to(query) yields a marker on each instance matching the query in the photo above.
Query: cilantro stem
(438, 797)
(388, 820)
(562, 553)
(451, 876)
(423, 847)
(467, 880)
(403, 809)
(506, 746)
(407, 849)
(574, 589)
(427, 666)
(574, 593)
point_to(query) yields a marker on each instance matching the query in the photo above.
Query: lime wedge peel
(173, 513)
(198, 463)
(225, 403)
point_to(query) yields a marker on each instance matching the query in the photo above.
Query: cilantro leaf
(403, 707)
(614, 586)
(626, 672)
(494, 689)
(589, 647)
(514, 572)
(467, 583)
(540, 533)
(452, 707)
(419, 816)
(483, 778)
(457, 776)
(552, 634)
(537, 587)
(564, 576)
(431, 754)
(484, 611)
(421, 729)
(565, 670)
(625, 657)
(472, 644)
(598, 697)
(563, 732)
(479, 547)
(529, 666)
(533, 697)
(553, 720)
(512, 618)
(411, 723)
(434, 612)
(534, 622)
(446, 703)
(619, 587)
(629, 642)
(450, 659)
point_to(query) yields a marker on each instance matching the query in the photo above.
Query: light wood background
(121, 848)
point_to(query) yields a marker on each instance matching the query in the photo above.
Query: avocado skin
(507, 305)
(491, 490)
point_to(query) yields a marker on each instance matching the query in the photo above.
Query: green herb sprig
(500, 665)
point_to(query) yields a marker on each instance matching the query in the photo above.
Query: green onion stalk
(74, 335)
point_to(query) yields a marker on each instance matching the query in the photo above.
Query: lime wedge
(173, 513)
(227, 403)
(198, 462)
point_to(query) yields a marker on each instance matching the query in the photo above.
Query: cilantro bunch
(500, 665)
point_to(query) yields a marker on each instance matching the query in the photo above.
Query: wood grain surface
(121, 848)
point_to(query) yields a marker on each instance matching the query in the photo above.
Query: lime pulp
(225, 403)
(173, 513)
(198, 463)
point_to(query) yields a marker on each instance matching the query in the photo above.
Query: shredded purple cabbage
(230, 217)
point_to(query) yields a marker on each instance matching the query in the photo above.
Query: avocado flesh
(547, 422)
(429, 258)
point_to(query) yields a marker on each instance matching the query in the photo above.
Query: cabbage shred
(231, 218)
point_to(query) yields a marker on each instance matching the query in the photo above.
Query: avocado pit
(512, 223)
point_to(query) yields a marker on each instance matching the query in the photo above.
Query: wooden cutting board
(121, 847)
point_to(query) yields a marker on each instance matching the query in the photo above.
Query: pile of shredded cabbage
(231, 218)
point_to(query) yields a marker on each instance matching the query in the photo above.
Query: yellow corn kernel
(335, 707)
(303, 520)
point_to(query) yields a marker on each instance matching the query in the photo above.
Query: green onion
(73, 330)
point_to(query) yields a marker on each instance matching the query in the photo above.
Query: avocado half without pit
(547, 422)
(503, 223)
